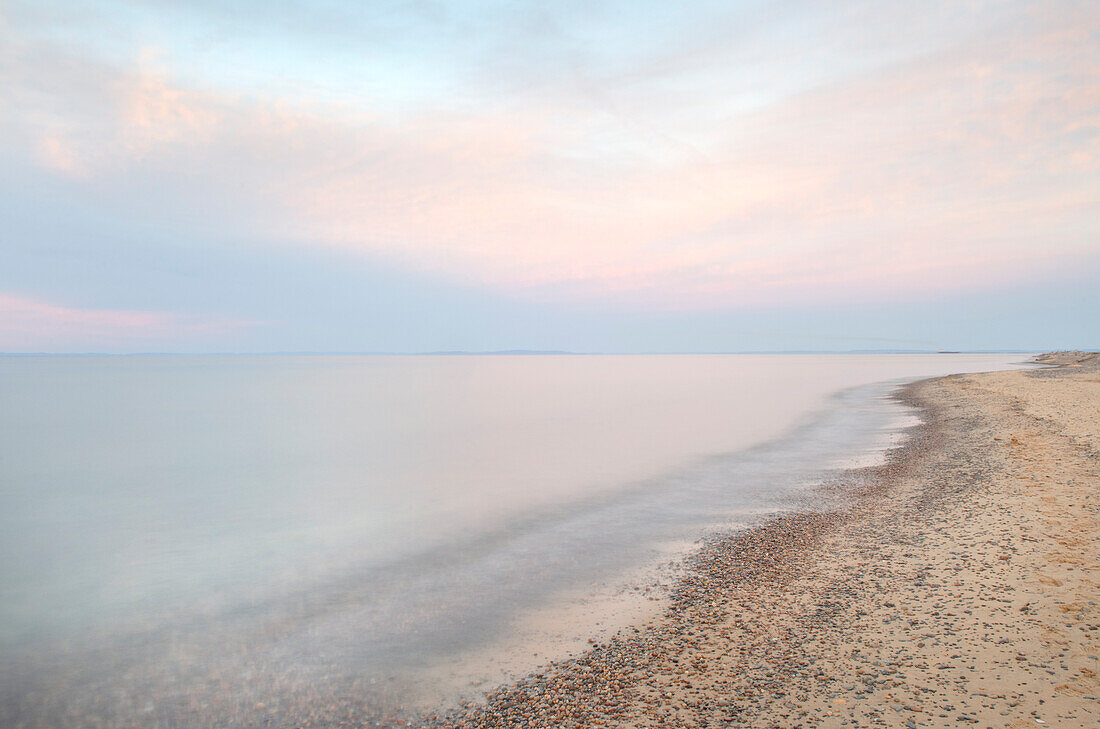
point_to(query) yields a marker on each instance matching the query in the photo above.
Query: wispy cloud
(965, 160)
(27, 323)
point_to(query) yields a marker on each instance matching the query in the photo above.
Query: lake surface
(185, 539)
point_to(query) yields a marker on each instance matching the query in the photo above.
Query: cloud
(28, 324)
(56, 154)
(969, 160)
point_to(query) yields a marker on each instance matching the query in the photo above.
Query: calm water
(189, 537)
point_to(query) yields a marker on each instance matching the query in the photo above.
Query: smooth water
(352, 524)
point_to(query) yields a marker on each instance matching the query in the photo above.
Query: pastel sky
(593, 176)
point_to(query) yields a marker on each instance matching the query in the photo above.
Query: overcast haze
(708, 176)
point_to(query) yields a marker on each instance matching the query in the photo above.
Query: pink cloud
(958, 169)
(28, 324)
(54, 153)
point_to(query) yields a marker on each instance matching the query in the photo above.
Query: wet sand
(954, 585)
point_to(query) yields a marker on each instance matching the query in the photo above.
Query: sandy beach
(954, 585)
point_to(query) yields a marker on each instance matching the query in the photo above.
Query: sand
(954, 585)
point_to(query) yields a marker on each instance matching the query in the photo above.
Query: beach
(956, 584)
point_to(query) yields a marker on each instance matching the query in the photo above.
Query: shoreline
(838, 618)
(556, 633)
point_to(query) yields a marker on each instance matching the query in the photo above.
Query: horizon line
(528, 352)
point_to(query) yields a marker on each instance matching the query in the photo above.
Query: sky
(634, 176)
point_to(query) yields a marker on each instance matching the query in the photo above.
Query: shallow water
(196, 536)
